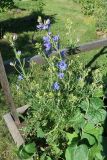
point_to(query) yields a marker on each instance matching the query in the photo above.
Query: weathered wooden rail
(81, 48)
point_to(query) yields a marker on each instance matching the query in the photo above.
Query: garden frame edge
(12, 127)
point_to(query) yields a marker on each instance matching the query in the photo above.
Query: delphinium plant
(66, 114)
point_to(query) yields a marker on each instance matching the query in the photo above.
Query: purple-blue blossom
(47, 46)
(44, 26)
(56, 86)
(61, 75)
(46, 39)
(62, 65)
(40, 26)
(63, 53)
(56, 38)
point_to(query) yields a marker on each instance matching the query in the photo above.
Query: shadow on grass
(23, 24)
(101, 52)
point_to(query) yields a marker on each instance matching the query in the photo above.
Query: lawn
(23, 22)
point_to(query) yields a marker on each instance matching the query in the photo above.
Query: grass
(23, 22)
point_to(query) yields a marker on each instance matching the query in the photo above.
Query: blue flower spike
(56, 86)
(61, 75)
(62, 65)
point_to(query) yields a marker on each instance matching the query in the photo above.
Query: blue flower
(63, 53)
(56, 86)
(47, 46)
(44, 26)
(62, 65)
(40, 26)
(56, 38)
(20, 77)
(61, 75)
(46, 39)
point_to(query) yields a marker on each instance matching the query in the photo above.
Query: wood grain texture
(5, 85)
(13, 130)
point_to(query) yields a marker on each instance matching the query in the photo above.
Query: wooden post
(7, 92)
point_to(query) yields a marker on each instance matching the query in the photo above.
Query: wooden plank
(7, 92)
(91, 46)
(81, 48)
(13, 130)
(22, 109)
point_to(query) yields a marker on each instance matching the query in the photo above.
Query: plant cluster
(66, 115)
(96, 8)
(6, 4)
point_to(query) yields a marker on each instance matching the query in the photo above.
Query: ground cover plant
(84, 28)
(66, 115)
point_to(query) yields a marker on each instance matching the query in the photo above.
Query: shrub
(96, 8)
(66, 115)
(6, 4)
(100, 14)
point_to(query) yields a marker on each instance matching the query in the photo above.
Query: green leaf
(96, 103)
(92, 130)
(49, 158)
(77, 152)
(69, 154)
(91, 139)
(94, 151)
(24, 155)
(81, 153)
(70, 137)
(30, 148)
(96, 116)
(84, 104)
(98, 93)
(78, 121)
(40, 133)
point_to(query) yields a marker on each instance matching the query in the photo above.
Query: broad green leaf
(91, 139)
(49, 158)
(77, 152)
(70, 151)
(81, 153)
(30, 148)
(92, 130)
(96, 103)
(70, 137)
(78, 121)
(94, 151)
(98, 93)
(40, 133)
(24, 155)
(96, 116)
(84, 104)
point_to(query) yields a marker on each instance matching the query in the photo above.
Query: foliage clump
(6, 4)
(96, 8)
(66, 115)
